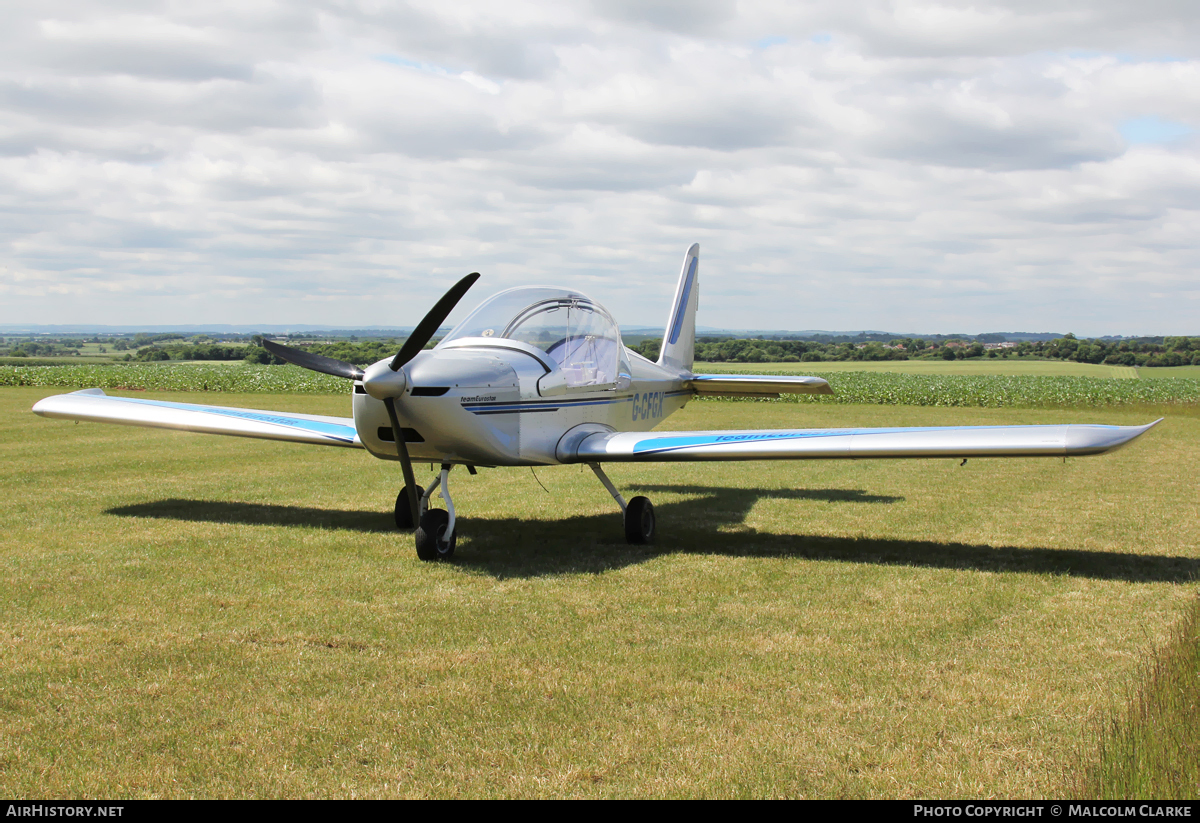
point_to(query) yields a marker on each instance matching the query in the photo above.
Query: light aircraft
(538, 376)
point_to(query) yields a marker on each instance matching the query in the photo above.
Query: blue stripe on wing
(689, 441)
(334, 431)
(683, 441)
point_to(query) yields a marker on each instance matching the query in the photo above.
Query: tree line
(1160, 351)
(1144, 351)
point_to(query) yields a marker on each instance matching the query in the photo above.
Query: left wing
(815, 444)
(93, 405)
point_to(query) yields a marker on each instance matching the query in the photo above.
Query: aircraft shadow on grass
(707, 522)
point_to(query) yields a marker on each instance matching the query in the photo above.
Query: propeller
(314, 362)
(385, 381)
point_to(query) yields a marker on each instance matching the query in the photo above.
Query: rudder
(679, 339)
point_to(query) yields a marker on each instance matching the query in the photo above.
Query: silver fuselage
(499, 403)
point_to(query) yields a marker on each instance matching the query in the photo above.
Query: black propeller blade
(429, 324)
(315, 362)
(412, 346)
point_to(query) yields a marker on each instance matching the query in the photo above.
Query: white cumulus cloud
(896, 164)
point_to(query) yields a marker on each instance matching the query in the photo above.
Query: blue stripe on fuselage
(538, 405)
(520, 407)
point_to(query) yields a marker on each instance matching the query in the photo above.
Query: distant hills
(203, 328)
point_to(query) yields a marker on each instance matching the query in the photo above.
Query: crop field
(1002, 367)
(850, 387)
(206, 377)
(217, 617)
(986, 366)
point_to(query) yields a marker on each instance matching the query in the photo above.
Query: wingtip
(1138, 431)
(45, 406)
(1134, 432)
(1084, 439)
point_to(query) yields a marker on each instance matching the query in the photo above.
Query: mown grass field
(203, 616)
(1171, 371)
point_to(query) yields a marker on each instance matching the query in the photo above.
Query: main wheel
(432, 543)
(639, 521)
(404, 520)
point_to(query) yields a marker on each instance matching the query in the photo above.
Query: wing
(755, 385)
(816, 444)
(93, 405)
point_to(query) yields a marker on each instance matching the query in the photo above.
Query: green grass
(204, 616)
(1151, 749)
(1192, 372)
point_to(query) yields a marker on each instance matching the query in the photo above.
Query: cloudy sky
(1027, 165)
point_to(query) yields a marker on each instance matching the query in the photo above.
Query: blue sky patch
(1153, 130)
(767, 42)
(397, 60)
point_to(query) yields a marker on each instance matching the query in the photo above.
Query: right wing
(814, 444)
(93, 405)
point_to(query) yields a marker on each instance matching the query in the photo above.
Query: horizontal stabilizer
(817, 444)
(94, 406)
(756, 385)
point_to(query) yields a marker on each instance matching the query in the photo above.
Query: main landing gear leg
(639, 514)
(435, 533)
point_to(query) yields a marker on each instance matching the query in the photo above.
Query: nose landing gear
(435, 536)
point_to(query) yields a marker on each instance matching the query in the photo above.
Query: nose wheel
(434, 535)
(434, 539)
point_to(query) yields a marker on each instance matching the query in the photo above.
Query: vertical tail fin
(679, 339)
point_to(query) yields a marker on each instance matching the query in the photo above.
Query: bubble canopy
(577, 333)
